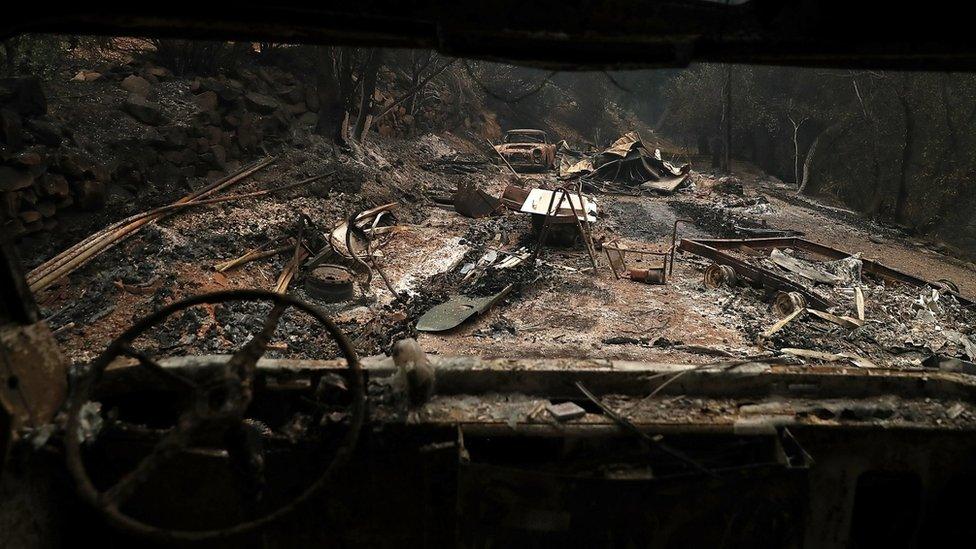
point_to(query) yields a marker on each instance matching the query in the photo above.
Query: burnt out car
(528, 150)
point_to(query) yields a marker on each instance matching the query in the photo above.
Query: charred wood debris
(324, 225)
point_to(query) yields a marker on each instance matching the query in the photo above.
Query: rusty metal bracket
(33, 372)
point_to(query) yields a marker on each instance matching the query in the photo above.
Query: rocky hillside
(101, 138)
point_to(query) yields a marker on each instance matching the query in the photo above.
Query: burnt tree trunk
(901, 197)
(346, 86)
(419, 62)
(331, 109)
(764, 150)
(10, 55)
(704, 147)
(726, 160)
(368, 79)
(873, 204)
(823, 139)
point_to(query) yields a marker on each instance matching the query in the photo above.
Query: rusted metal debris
(369, 222)
(716, 250)
(543, 202)
(33, 377)
(785, 303)
(33, 372)
(514, 196)
(471, 201)
(741, 270)
(628, 164)
(455, 311)
(566, 211)
(804, 268)
(356, 239)
(330, 283)
(640, 270)
(527, 150)
(717, 276)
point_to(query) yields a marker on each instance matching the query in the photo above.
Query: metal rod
(545, 228)
(674, 238)
(579, 224)
(505, 160)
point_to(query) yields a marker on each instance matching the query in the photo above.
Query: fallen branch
(783, 322)
(411, 92)
(284, 279)
(250, 256)
(74, 257)
(505, 160)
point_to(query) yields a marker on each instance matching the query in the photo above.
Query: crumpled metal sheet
(576, 168)
(471, 201)
(843, 271)
(453, 312)
(629, 162)
(624, 144)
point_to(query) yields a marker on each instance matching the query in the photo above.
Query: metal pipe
(674, 239)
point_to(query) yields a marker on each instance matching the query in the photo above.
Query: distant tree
(197, 57)
(342, 73)
(897, 146)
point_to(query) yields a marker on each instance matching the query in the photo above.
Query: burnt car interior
(264, 303)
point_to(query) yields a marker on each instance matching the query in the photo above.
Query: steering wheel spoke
(172, 443)
(245, 448)
(244, 362)
(147, 362)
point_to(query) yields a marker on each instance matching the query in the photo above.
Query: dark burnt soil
(713, 219)
(848, 217)
(557, 306)
(643, 218)
(483, 236)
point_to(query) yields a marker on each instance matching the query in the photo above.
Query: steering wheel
(216, 404)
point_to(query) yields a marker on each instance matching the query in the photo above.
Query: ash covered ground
(558, 307)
